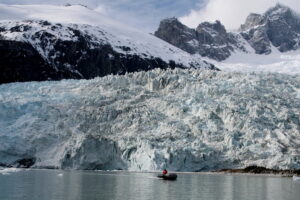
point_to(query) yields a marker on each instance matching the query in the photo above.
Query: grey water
(97, 185)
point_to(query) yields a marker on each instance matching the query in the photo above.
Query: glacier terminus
(182, 119)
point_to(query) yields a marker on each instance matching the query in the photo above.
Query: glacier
(182, 119)
(276, 62)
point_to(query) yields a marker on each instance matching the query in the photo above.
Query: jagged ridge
(278, 27)
(208, 39)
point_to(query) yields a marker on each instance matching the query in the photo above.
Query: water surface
(86, 185)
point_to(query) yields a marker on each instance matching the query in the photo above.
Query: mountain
(279, 27)
(208, 39)
(183, 120)
(43, 42)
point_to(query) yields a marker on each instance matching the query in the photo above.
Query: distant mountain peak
(279, 26)
(279, 6)
(172, 22)
(278, 10)
(171, 19)
(216, 26)
(252, 20)
(208, 39)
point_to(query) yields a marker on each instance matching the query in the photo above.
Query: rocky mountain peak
(208, 39)
(174, 32)
(278, 13)
(279, 26)
(278, 9)
(173, 20)
(215, 27)
(252, 20)
(173, 23)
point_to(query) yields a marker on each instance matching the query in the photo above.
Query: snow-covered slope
(76, 40)
(287, 63)
(180, 119)
(137, 43)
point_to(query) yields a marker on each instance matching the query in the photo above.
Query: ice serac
(185, 120)
(57, 42)
(208, 39)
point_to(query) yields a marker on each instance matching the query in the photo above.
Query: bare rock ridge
(278, 27)
(208, 39)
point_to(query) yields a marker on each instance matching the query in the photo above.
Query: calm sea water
(86, 185)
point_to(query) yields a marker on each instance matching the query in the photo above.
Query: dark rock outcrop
(21, 163)
(20, 62)
(263, 170)
(24, 163)
(174, 32)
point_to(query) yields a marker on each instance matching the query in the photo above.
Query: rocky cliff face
(40, 50)
(174, 32)
(215, 42)
(254, 32)
(278, 27)
(209, 39)
(21, 62)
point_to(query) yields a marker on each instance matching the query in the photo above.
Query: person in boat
(165, 172)
(167, 176)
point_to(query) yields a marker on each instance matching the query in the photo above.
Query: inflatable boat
(170, 177)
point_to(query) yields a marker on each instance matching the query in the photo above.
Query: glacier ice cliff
(185, 120)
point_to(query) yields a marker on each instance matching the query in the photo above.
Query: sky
(232, 13)
(146, 14)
